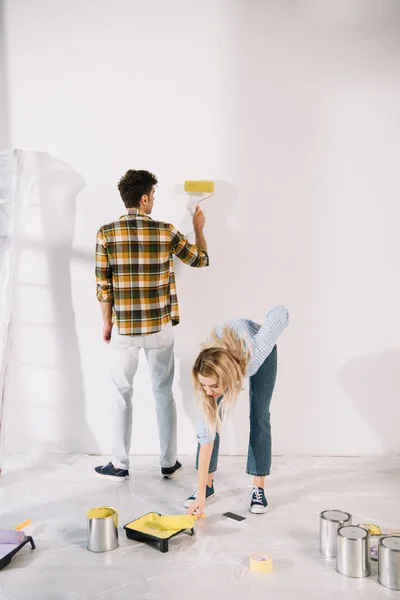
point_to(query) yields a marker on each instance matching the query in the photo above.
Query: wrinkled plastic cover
(16, 177)
(8, 170)
(56, 494)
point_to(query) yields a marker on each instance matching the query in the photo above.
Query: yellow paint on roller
(199, 187)
(261, 563)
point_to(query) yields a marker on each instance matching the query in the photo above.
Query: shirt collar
(136, 212)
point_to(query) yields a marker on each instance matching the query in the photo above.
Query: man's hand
(197, 507)
(106, 311)
(107, 329)
(198, 220)
(198, 224)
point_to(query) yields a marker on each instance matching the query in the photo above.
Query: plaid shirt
(135, 271)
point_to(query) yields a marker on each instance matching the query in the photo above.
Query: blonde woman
(238, 349)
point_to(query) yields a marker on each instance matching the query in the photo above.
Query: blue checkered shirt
(262, 340)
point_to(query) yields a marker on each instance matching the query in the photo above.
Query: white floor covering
(57, 492)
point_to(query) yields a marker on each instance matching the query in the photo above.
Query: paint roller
(10, 536)
(200, 187)
(14, 536)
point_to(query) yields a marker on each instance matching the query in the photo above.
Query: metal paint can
(389, 562)
(353, 551)
(329, 523)
(102, 529)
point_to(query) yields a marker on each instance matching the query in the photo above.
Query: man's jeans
(124, 360)
(262, 386)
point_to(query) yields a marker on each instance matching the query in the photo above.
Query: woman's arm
(204, 463)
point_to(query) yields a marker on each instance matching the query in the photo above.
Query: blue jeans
(262, 386)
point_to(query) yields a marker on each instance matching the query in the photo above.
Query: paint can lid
(352, 532)
(337, 516)
(392, 542)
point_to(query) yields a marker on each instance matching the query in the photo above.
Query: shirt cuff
(104, 294)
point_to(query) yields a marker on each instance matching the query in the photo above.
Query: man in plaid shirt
(137, 293)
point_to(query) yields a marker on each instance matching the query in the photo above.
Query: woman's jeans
(262, 386)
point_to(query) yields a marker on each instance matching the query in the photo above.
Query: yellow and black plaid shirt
(135, 271)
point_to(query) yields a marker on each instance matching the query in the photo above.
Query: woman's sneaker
(258, 501)
(209, 494)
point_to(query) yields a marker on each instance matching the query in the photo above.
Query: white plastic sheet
(56, 493)
(8, 169)
(15, 182)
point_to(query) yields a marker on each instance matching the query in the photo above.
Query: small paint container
(389, 562)
(353, 551)
(102, 529)
(329, 523)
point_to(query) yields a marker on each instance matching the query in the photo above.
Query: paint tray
(141, 530)
(7, 551)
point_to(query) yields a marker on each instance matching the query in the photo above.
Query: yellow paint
(162, 526)
(23, 524)
(102, 512)
(199, 187)
(373, 529)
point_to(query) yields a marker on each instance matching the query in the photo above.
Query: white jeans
(124, 360)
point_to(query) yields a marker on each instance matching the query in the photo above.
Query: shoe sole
(258, 510)
(112, 477)
(172, 474)
(187, 503)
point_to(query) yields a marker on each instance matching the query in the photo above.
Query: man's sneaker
(170, 472)
(112, 472)
(209, 494)
(258, 501)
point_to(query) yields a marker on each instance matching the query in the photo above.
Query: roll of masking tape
(261, 563)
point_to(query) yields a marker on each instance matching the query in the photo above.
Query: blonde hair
(224, 358)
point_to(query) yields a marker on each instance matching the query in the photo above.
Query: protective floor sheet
(57, 493)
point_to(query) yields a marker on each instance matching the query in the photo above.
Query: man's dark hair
(133, 185)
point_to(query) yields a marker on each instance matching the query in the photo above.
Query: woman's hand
(197, 507)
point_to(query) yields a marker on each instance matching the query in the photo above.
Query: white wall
(293, 108)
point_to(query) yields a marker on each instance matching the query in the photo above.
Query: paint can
(353, 551)
(389, 562)
(329, 523)
(102, 529)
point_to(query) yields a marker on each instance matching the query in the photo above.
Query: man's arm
(194, 255)
(199, 221)
(201, 240)
(106, 311)
(104, 288)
